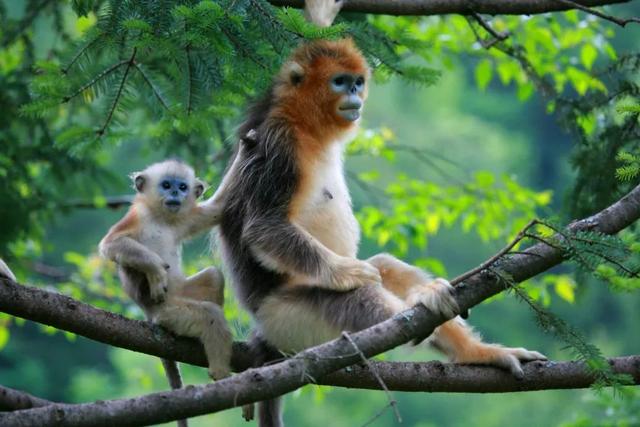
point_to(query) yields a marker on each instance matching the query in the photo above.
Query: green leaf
(588, 55)
(484, 73)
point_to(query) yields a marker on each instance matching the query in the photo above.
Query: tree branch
(455, 378)
(279, 378)
(461, 7)
(11, 400)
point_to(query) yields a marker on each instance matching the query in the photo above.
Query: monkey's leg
(206, 285)
(203, 320)
(454, 338)
(457, 340)
(414, 285)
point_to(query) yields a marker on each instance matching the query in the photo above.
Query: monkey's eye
(183, 187)
(338, 81)
(166, 185)
(360, 82)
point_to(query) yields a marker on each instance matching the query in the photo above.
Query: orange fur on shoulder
(126, 226)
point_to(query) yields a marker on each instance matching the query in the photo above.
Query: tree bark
(303, 368)
(11, 399)
(461, 7)
(455, 378)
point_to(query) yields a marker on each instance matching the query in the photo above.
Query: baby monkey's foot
(218, 371)
(438, 296)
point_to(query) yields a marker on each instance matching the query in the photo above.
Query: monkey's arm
(285, 247)
(127, 252)
(208, 213)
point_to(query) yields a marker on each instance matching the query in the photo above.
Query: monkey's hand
(158, 285)
(350, 273)
(438, 296)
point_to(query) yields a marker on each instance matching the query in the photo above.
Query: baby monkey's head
(168, 187)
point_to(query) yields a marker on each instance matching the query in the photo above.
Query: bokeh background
(442, 174)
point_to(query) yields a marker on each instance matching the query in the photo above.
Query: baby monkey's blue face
(173, 191)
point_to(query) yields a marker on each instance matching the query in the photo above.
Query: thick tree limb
(454, 378)
(461, 7)
(429, 377)
(11, 399)
(305, 367)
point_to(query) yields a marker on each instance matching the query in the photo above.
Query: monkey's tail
(175, 381)
(269, 411)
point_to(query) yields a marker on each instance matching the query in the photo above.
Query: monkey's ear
(294, 73)
(139, 179)
(199, 187)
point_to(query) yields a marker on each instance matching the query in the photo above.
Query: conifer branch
(114, 104)
(104, 73)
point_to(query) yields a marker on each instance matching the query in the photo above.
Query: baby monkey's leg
(203, 320)
(206, 285)
(454, 338)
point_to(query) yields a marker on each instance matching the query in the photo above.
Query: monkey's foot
(248, 412)
(351, 273)
(218, 371)
(503, 357)
(438, 296)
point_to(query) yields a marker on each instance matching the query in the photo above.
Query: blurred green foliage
(465, 140)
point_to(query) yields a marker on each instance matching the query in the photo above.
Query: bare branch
(114, 202)
(461, 7)
(274, 380)
(488, 263)
(620, 21)
(455, 378)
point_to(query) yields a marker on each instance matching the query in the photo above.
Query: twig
(129, 63)
(392, 402)
(78, 54)
(497, 37)
(110, 202)
(94, 80)
(620, 21)
(153, 87)
(488, 263)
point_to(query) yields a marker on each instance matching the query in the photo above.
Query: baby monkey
(147, 246)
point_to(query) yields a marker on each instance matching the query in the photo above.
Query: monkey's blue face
(173, 191)
(351, 87)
